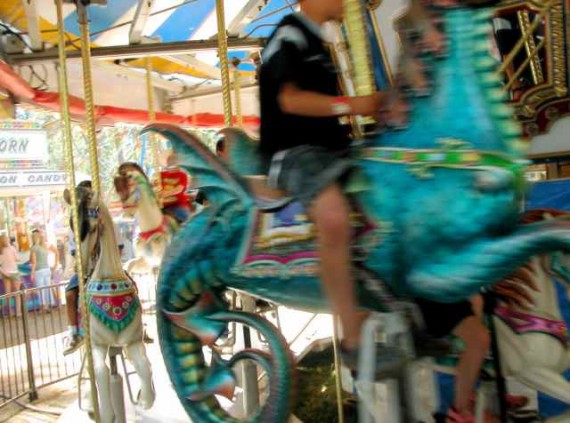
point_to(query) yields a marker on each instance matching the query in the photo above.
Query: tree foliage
(115, 145)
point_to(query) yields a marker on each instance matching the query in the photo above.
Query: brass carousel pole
(529, 31)
(152, 118)
(83, 17)
(355, 24)
(68, 149)
(337, 366)
(249, 370)
(237, 92)
(362, 73)
(224, 66)
(364, 84)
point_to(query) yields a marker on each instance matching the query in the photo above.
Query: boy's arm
(293, 100)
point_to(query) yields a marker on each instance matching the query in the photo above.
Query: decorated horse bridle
(93, 213)
(523, 322)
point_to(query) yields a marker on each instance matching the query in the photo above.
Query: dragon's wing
(241, 151)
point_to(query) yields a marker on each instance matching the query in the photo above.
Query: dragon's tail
(191, 314)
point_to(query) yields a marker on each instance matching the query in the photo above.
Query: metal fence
(33, 326)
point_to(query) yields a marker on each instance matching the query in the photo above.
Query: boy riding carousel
(306, 151)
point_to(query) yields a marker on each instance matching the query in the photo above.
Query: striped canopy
(124, 22)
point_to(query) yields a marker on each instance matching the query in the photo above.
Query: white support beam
(245, 16)
(157, 82)
(139, 21)
(201, 92)
(190, 61)
(138, 51)
(33, 24)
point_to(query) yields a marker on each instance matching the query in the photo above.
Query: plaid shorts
(305, 171)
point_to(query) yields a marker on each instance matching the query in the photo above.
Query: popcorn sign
(23, 144)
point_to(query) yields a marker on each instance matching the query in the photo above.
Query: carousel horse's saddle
(268, 199)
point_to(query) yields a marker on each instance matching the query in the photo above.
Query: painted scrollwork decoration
(530, 38)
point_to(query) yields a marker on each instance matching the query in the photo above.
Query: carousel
(442, 210)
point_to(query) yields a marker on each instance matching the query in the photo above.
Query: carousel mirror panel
(531, 38)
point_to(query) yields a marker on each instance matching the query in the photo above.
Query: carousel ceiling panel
(186, 21)
(102, 17)
(165, 21)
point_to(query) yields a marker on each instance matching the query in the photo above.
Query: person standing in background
(9, 272)
(41, 273)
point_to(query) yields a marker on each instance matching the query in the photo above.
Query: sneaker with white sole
(72, 343)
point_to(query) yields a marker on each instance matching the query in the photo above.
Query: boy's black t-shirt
(296, 53)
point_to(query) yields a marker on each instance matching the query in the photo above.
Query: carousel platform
(167, 407)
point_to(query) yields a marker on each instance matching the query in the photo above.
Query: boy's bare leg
(478, 304)
(477, 343)
(331, 213)
(71, 297)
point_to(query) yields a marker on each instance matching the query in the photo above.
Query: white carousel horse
(115, 313)
(156, 228)
(534, 345)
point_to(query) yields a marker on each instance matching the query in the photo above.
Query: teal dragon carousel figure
(438, 208)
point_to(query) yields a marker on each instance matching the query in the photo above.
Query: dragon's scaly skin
(443, 195)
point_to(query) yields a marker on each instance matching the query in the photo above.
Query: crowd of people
(43, 265)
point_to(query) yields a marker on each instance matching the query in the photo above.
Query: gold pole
(237, 92)
(354, 12)
(68, 150)
(383, 52)
(529, 31)
(150, 90)
(362, 72)
(524, 64)
(530, 46)
(83, 18)
(337, 365)
(224, 67)
(152, 118)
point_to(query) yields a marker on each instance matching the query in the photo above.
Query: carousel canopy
(179, 36)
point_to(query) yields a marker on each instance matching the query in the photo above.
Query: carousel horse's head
(129, 185)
